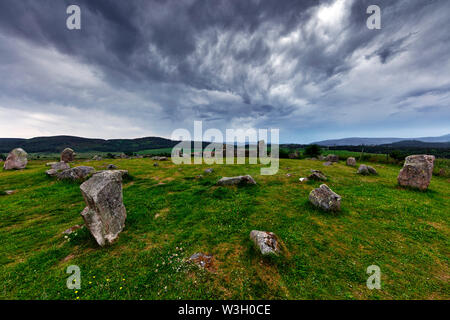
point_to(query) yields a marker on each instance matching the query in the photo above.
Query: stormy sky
(144, 68)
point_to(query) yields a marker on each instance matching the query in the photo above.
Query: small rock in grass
(328, 163)
(111, 167)
(324, 198)
(267, 242)
(317, 175)
(209, 170)
(303, 179)
(202, 260)
(73, 229)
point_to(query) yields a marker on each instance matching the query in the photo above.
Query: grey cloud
(166, 63)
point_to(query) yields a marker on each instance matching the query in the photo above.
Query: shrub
(313, 150)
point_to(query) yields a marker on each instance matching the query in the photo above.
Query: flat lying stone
(366, 170)
(230, 181)
(76, 173)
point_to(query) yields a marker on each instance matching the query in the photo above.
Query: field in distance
(173, 212)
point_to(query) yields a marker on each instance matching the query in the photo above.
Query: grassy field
(172, 214)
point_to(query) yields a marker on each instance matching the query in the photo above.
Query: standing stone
(17, 159)
(324, 198)
(416, 172)
(68, 155)
(351, 161)
(105, 213)
(267, 242)
(332, 158)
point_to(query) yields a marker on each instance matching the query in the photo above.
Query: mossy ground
(403, 231)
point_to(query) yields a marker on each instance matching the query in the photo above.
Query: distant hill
(378, 141)
(58, 143)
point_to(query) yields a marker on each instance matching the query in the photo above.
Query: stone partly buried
(232, 181)
(366, 170)
(203, 261)
(416, 172)
(17, 160)
(105, 212)
(266, 242)
(325, 199)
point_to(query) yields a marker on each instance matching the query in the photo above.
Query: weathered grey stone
(317, 175)
(351, 161)
(363, 169)
(303, 180)
(156, 164)
(366, 170)
(111, 167)
(324, 198)
(76, 173)
(332, 158)
(372, 170)
(229, 181)
(51, 172)
(266, 242)
(49, 164)
(68, 155)
(17, 160)
(159, 158)
(97, 158)
(417, 171)
(105, 213)
(124, 173)
(209, 170)
(59, 166)
(328, 163)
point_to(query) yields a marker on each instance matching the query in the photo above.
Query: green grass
(404, 232)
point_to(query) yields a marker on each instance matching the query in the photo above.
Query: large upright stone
(324, 198)
(351, 161)
(68, 155)
(17, 159)
(105, 213)
(416, 172)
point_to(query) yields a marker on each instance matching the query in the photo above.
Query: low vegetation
(173, 212)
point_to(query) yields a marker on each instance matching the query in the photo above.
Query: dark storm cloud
(298, 65)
